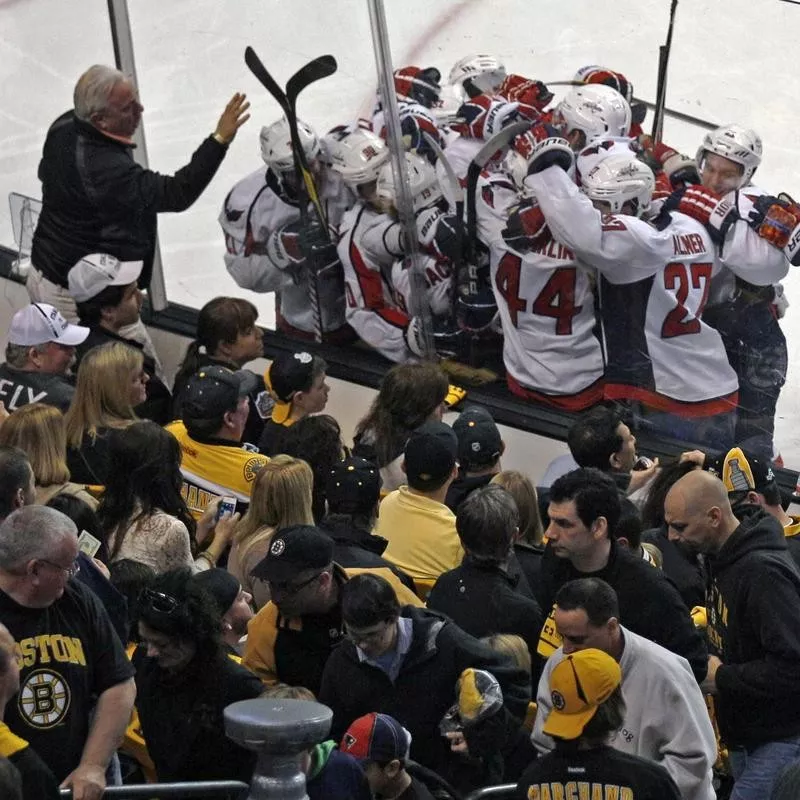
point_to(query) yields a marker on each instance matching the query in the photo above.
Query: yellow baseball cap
(578, 685)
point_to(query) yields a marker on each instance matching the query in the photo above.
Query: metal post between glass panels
(122, 38)
(405, 203)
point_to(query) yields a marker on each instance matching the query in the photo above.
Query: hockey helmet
(419, 85)
(594, 109)
(484, 72)
(618, 180)
(422, 180)
(276, 144)
(357, 155)
(736, 143)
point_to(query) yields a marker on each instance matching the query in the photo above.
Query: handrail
(505, 791)
(182, 789)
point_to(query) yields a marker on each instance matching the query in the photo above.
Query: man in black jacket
(96, 198)
(406, 662)
(584, 511)
(753, 603)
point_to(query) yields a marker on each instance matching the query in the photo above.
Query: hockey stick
(661, 90)
(457, 193)
(498, 142)
(313, 71)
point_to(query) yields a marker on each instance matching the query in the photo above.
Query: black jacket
(158, 406)
(181, 717)
(355, 547)
(753, 603)
(425, 687)
(462, 487)
(649, 603)
(97, 199)
(482, 599)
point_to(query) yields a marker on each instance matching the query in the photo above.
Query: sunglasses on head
(159, 602)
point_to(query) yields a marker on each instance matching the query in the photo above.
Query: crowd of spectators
(166, 552)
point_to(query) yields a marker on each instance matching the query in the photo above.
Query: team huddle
(606, 265)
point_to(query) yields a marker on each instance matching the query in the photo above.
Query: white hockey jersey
(654, 285)
(253, 209)
(378, 287)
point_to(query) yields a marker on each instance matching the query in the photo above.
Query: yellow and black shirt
(69, 654)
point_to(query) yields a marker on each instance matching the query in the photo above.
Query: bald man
(753, 603)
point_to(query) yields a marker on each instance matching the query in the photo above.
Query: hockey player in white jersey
(653, 287)
(369, 246)
(753, 231)
(266, 247)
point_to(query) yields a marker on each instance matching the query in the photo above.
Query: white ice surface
(731, 61)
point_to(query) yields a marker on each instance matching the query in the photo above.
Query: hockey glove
(317, 248)
(777, 219)
(543, 147)
(525, 227)
(681, 170)
(414, 336)
(707, 207)
(436, 232)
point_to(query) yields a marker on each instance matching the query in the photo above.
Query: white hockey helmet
(618, 180)
(486, 72)
(276, 144)
(594, 109)
(736, 143)
(424, 184)
(357, 155)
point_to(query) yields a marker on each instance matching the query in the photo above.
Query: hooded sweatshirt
(753, 602)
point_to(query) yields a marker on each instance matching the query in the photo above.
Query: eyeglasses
(72, 570)
(291, 588)
(360, 637)
(159, 602)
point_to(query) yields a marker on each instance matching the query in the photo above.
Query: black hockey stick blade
(499, 141)
(265, 79)
(320, 67)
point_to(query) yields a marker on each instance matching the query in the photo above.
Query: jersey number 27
(680, 321)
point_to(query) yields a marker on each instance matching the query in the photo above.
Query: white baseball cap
(39, 323)
(98, 271)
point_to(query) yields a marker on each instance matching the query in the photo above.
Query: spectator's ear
(754, 498)
(403, 466)
(393, 768)
(622, 541)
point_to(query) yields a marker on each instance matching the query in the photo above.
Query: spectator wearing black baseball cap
(480, 446)
(353, 489)
(214, 463)
(421, 530)
(290, 639)
(297, 388)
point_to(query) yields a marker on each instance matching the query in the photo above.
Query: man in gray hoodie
(666, 720)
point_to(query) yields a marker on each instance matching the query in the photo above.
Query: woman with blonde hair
(281, 497)
(111, 381)
(38, 429)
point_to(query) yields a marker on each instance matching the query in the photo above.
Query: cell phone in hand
(226, 506)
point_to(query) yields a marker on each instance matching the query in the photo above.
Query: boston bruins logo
(44, 699)
(558, 701)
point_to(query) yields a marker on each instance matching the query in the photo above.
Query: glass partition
(189, 59)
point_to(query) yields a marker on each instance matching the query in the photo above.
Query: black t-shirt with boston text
(600, 772)
(69, 654)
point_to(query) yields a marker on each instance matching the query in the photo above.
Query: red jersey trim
(590, 396)
(658, 402)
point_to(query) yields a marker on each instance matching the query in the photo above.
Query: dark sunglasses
(159, 602)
